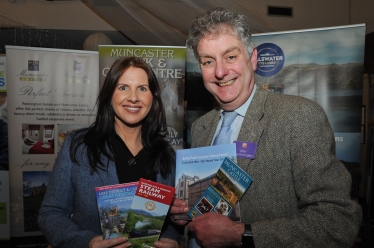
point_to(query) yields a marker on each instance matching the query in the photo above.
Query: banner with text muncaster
(169, 64)
(51, 92)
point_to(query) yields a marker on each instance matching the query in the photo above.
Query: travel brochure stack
(135, 210)
(209, 179)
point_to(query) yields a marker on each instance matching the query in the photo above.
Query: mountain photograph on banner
(168, 64)
(328, 72)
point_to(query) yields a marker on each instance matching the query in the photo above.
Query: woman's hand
(166, 243)
(120, 242)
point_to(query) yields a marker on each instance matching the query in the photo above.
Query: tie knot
(228, 118)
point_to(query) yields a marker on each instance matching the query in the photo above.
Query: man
(300, 191)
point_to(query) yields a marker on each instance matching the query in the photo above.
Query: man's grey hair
(213, 22)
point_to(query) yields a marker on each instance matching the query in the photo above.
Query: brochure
(195, 169)
(149, 208)
(227, 187)
(114, 202)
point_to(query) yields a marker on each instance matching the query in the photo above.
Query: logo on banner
(33, 65)
(27, 76)
(77, 66)
(270, 59)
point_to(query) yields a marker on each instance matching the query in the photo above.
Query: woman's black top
(131, 168)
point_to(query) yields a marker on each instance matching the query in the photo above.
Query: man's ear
(254, 59)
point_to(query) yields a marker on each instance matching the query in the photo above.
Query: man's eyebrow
(228, 50)
(205, 56)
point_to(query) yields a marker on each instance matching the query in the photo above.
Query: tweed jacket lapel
(207, 129)
(251, 130)
(252, 127)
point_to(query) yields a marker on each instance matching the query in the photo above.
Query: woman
(126, 142)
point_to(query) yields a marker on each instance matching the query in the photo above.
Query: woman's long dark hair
(96, 138)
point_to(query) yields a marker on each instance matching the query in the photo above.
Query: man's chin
(227, 105)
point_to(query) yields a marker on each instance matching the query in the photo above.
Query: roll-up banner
(325, 65)
(4, 161)
(50, 93)
(169, 64)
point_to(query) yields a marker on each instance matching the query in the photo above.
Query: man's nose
(221, 70)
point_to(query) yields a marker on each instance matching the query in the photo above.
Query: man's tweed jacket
(300, 195)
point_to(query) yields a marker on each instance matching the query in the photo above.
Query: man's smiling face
(227, 71)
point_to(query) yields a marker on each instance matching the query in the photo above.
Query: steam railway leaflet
(225, 190)
(114, 202)
(148, 212)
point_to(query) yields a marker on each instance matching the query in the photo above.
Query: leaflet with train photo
(147, 213)
(136, 210)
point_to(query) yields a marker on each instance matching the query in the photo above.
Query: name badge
(245, 149)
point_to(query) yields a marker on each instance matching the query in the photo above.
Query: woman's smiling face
(132, 98)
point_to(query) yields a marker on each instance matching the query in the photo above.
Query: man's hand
(216, 230)
(166, 243)
(98, 242)
(178, 207)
